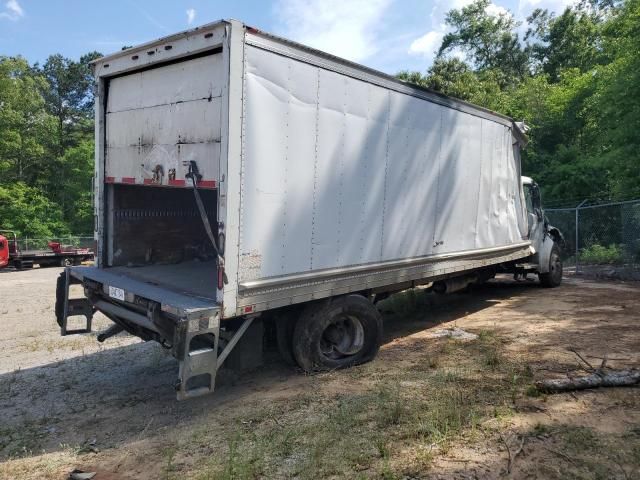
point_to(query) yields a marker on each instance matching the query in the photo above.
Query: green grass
(585, 453)
(392, 426)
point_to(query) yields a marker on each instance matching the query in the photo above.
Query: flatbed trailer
(58, 255)
(242, 177)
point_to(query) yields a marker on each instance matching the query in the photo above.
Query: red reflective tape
(248, 309)
(177, 183)
(128, 180)
(109, 180)
(149, 181)
(207, 183)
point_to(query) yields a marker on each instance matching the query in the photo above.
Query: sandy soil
(70, 402)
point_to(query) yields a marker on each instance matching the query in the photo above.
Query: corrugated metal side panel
(412, 177)
(340, 172)
(457, 200)
(165, 116)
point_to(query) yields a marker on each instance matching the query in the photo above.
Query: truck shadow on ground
(123, 394)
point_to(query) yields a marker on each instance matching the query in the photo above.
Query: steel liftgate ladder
(71, 307)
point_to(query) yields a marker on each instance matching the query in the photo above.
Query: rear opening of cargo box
(161, 123)
(158, 236)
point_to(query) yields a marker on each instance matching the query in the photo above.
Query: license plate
(117, 293)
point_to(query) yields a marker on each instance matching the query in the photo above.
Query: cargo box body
(238, 174)
(320, 176)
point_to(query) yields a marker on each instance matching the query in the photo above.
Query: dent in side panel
(485, 233)
(396, 200)
(295, 240)
(355, 173)
(332, 97)
(423, 164)
(513, 190)
(458, 182)
(263, 193)
(372, 172)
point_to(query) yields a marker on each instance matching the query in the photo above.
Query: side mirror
(539, 213)
(535, 200)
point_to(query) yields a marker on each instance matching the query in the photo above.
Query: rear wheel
(285, 325)
(60, 297)
(337, 334)
(554, 277)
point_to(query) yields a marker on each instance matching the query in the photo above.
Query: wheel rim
(342, 338)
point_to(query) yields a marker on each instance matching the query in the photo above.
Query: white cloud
(497, 10)
(191, 15)
(13, 11)
(346, 28)
(558, 6)
(427, 44)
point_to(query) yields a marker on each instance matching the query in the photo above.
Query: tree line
(573, 77)
(46, 145)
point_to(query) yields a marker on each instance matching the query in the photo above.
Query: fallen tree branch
(512, 456)
(600, 378)
(581, 358)
(604, 361)
(610, 358)
(517, 452)
(560, 454)
(508, 452)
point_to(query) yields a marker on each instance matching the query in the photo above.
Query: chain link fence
(77, 241)
(600, 235)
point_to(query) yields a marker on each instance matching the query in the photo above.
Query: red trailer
(57, 255)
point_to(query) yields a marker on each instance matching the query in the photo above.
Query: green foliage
(26, 210)
(576, 84)
(46, 146)
(568, 41)
(488, 40)
(25, 126)
(599, 255)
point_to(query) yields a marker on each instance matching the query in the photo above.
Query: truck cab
(546, 241)
(4, 251)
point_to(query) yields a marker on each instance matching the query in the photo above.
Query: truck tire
(554, 277)
(285, 325)
(60, 293)
(339, 333)
(66, 262)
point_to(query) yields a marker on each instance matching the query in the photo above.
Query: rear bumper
(149, 311)
(187, 325)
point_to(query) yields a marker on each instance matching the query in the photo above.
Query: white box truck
(242, 176)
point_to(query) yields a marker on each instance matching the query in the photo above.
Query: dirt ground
(427, 407)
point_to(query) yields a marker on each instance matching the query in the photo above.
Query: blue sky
(389, 35)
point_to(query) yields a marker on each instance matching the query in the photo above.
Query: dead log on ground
(599, 378)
